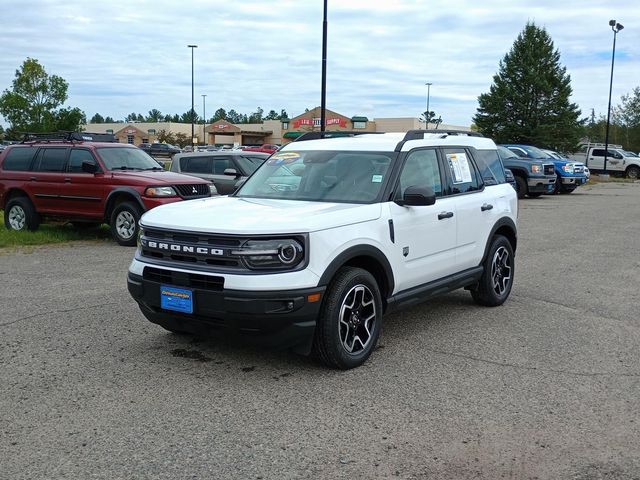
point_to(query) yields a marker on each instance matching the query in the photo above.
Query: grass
(48, 234)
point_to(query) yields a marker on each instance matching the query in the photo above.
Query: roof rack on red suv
(87, 179)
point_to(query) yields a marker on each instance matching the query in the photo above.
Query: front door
(425, 236)
(82, 194)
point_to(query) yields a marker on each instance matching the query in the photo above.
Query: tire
(521, 186)
(125, 223)
(557, 187)
(351, 311)
(19, 215)
(534, 194)
(494, 286)
(633, 172)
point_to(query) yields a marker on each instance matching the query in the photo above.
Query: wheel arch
(13, 193)
(505, 227)
(633, 166)
(118, 196)
(368, 258)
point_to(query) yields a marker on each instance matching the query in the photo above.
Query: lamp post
(204, 119)
(192, 107)
(323, 93)
(426, 115)
(615, 27)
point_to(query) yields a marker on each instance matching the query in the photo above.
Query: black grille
(193, 190)
(183, 279)
(223, 244)
(549, 169)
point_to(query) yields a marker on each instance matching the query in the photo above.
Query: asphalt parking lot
(546, 386)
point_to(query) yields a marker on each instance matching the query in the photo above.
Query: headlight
(160, 192)
(271, 254)
(568, 168)
(536, 168)
(212, 189)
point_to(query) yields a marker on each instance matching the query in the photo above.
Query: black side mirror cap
(89, 166)
(415, 196)
(232, 172)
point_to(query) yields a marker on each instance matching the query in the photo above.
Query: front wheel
(19, 215)
(521, 186)
(125, 223)
(494, 286)
(633, 172)
(350, 320)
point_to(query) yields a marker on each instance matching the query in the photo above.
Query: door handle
(443, 215)
(33, 179)
(67, 180)
(486, 206)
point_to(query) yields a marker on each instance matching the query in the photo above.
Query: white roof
(386, 142)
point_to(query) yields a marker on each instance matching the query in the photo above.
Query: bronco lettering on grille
(175, 247)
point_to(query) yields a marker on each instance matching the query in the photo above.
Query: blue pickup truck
(569, 175)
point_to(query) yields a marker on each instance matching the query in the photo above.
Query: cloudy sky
(132, 56)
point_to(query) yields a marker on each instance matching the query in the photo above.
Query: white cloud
(121, 57)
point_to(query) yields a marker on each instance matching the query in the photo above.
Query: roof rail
(332, 134)
(419, 135)
(595, 144)
(67, 136)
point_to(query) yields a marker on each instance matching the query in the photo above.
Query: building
(270, 131)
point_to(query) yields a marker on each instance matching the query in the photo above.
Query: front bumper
(574, 181)
(272, 318)
(541, 184)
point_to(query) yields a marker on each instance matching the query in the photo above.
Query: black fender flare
(504, 222)
(359, 251)
(121, 190)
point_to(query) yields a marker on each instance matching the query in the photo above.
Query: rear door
(46, 179)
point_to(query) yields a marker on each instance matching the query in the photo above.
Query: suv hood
(234, 215)
(157, 177)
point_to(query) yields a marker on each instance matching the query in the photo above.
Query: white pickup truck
(618, 160)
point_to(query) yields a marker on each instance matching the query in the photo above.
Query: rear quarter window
(19, 158)
(490, 166)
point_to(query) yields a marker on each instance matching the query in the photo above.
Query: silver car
(224, 168)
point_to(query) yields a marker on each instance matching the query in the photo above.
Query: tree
(34, 102)
(233, 116)
(109, 120)
(164, 136)
(97, 118)
(272, 115)
(255, 117)
(528, 101)
(627, 114)
(154, 115)
(220, 114)
(134, 117)
(283, 115)
(188, 116)
(429, 116)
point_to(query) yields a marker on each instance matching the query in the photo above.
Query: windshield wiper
(153, 168)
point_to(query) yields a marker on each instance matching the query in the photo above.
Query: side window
(463, 173)
(220, 164)
(76, 157)
(598, 152)
(490, 166)
(421, 170)
(196, 164)
(19, 158)
(52, 160)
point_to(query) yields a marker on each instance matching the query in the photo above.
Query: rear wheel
(494, 286)
(521, 186)
(19, 215)
(125, 223)
(633, 172)
(350, 320)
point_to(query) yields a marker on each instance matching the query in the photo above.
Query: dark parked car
(160, 149)
(225, 168)
(532, 177)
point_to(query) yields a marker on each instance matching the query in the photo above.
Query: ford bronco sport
(329, 234)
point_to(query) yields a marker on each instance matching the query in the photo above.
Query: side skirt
(419, 294)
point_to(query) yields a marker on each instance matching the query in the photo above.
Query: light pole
(204, 119)
(615, 27)
(426, 116)
(323, 93)
(192, 108)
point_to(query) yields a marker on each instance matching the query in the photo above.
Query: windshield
(506, 153)
(320, 176)
(126, 158)
(627, 153)
(534, 152)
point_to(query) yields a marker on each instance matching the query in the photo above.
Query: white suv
(328, 235)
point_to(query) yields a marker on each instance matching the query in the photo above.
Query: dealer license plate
(176, 299)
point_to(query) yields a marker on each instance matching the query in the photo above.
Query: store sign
(131, 130)
(328, 121)
(222, 126)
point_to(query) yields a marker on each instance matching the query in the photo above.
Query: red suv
(88, 179)
(264, 148)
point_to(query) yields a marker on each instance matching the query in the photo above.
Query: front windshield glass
(127, 158)
(506, 153)
(630, 154)
(320, 176)
(534, 152)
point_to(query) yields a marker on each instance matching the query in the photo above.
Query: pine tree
(529, 100)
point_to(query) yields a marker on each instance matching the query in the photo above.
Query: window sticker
(376, 179)
(459, 165)
(283, 158)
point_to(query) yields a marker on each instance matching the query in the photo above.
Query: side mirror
(89, 166)
(232, 172)
(415, 196)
